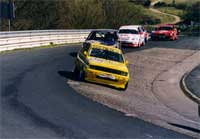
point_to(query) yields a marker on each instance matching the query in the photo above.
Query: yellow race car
(102, 64)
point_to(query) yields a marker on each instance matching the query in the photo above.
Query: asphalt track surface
(193, 81)
(36, 101)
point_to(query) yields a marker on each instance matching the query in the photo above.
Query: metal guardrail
(28, 39)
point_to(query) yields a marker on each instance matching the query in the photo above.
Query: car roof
(130, 27)
(105, 47)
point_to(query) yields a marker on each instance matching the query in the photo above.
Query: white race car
(132, 35)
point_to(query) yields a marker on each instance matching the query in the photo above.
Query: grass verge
(162, 17)
(172, 10)
(180, 1)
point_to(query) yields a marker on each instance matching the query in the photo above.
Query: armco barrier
(28, 39)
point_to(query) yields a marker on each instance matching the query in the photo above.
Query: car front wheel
(79, 74)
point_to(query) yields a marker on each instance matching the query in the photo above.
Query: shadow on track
(67, 74)
(73, 54)
(71, 75)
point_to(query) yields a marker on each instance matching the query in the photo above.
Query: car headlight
(135, 39)
(124, 73)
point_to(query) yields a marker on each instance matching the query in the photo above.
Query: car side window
(140, 29)
(143, 29)
(115, 36)
(90, 36)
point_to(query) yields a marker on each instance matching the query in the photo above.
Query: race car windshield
(128, 31)
(164, 28)
(102, 36)
(105, 54)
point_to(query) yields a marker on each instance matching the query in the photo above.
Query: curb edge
(186, 90)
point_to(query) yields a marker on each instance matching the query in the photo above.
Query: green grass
(172, 10)
(153, 0)
(163, 18)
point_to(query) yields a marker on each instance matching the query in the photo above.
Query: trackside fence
(29, 39)
(35, 38)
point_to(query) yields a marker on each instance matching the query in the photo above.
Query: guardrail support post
(8, 24)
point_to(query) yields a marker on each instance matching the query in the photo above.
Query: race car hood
(161, 32)
(108, 64)
(109, 43)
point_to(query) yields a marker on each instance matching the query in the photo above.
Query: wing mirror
(85, 53)
(126, 62)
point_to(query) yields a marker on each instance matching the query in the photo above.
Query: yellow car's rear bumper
(105, 78)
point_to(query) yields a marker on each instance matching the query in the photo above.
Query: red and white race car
(166, 31)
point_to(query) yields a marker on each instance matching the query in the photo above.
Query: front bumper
(101, 77)
(161, 36)
(130, 44)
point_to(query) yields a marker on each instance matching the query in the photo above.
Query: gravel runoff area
(193, 81)
(154, 93)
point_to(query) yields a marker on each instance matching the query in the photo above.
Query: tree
(142, 2)
(173, 2)
(192, 13)
(76, 14)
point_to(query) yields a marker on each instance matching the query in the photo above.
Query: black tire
(145, 40)
(79, 74)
